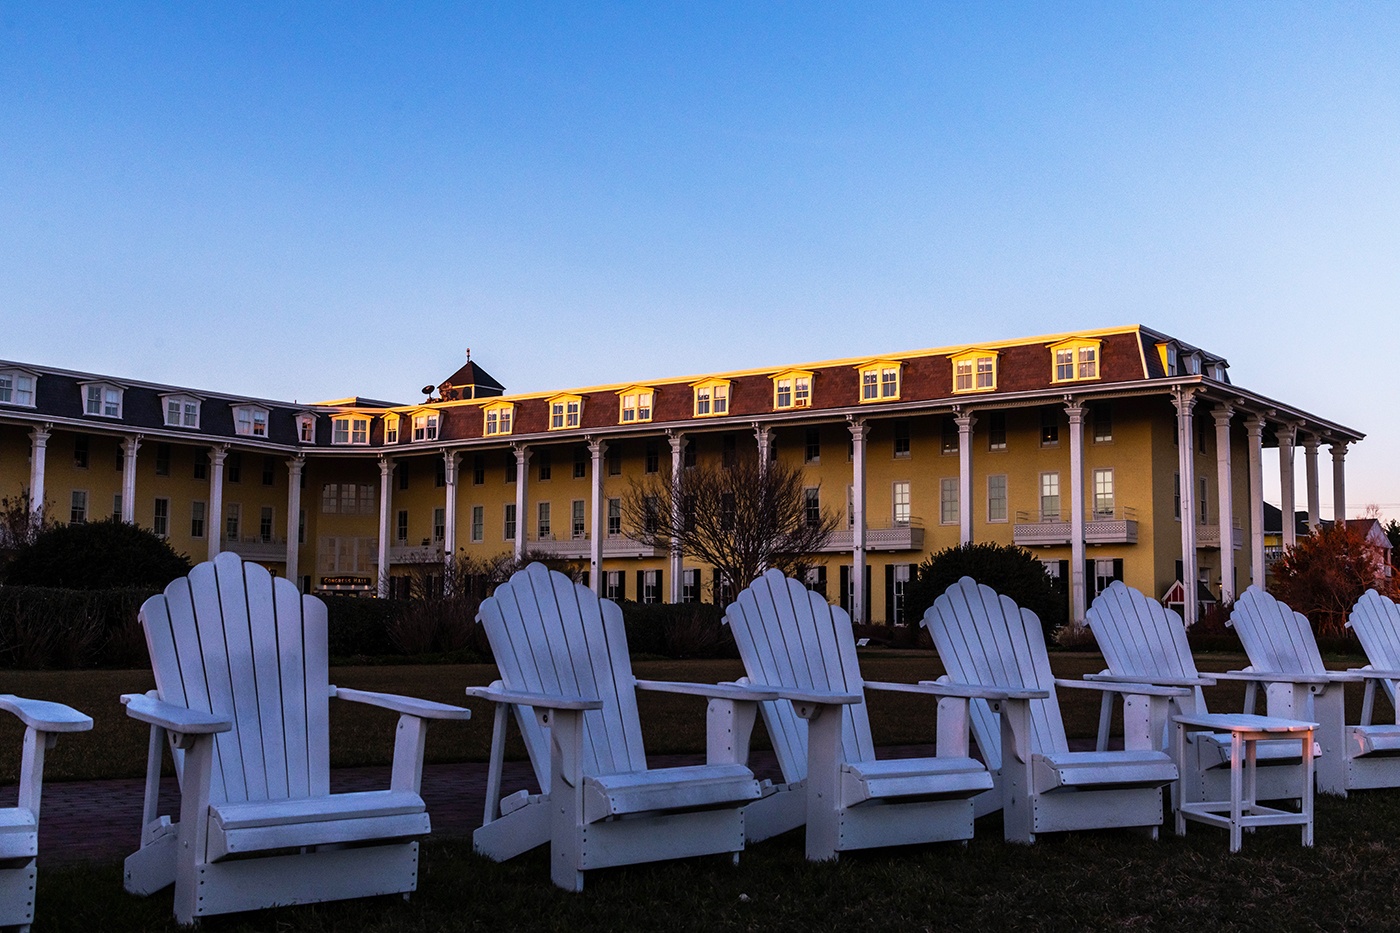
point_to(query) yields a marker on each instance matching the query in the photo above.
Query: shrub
(1325, 573)
(677, 630)
(41, 627)
(1011, 571)
(109, 554)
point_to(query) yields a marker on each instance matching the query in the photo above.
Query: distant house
(1369, 528)
(1378, 541)
(1273, 531)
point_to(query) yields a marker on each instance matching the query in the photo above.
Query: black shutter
(889, 595)
(1090, 584)
(622, 584)
(846, 587)
(1118, 568)
(641, 585)
(1178, 571)
(821, 580)
(585, 578)
(719, 594)
(866, 603)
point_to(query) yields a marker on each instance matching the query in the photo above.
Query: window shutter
(641, 585)
(889, 595)
(846, 587)
(1118, 568)
(718, 591)
(1178, 571)
(1063, 584)
(1091, 586)
(867, 591)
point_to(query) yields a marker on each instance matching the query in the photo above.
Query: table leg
(1179, 746)
(1236, 789)
(1308, 787)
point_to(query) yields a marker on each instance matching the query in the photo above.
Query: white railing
(257, 548)
(893, 537)
(581, 548)
(1100, 527)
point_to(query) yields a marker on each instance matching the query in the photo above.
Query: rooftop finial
(469, 354)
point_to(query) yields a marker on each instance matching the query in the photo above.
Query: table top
(1243, 722)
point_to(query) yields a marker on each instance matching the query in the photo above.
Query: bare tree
(20, 523)
(741, 518)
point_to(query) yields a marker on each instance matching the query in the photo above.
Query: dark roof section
(1273, 520)
(471, 381)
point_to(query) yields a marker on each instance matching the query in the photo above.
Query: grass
(1100, 880)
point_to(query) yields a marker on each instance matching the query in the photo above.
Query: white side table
(1242, 809)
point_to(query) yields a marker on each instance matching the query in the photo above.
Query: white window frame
(901, 511)
(233, 521)
(18, 387)
(478, 531)
(711, 398)
(198, 521)
(102, 399)
(997, 482)
(425, 426)
(183, 408)
(250, 420)
(578, 529)
(391, 429)
(350, 430)
(948, 505)
(78, 507)
(635, 405)
(306, 429)
(1103, 494)
(544, 524)
(160, 517)
(1050, 479)
(498, 420)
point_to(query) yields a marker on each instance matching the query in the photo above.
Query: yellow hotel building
(1120, 453)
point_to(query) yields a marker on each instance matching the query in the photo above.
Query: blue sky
(307, 201)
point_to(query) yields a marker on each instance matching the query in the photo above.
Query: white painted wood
(986, 639)
(240, 662)
(1281, 644)
(793, 641)
(565, 670)
(1143, 641)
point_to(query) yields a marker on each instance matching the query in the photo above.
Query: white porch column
(965, 421)
(1339, 481)
(1255, 429)
(217, 455)
(386, 493)
(1225, 511)
(1285, 434)
(1314, 495)
(130, 445)
(858, 607)
(677, 464)
(764, 436)
(522, 500)
(1185, 402)
(1078, 585)
(295, 465)
(450, 459)
(38, 451)
(597, 449)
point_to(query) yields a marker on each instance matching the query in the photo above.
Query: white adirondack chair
(1144, 642)
(565, 672)
(1042, 786)
(800, 647)
(242, 694)
(19, 825)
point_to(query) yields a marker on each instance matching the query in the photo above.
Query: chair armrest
(536, 700)
(1272, 677)
(985, 691)
(713, 691)
(815, 697)
(173, 718)
(1203, 681)
(1367, 673)
(1134, 689)
(45, 716)
(408, 706)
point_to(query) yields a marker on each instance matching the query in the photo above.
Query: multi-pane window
(1064, 365)
(651, 512)
(898, 590)
(401, 527)
(636, 406)
(580, 462)
(614, 458)
(565, 412)
(17, 389)
(901, 438)
(1176, 495)
(653, 457)
(996, 430)
(901, 502)
(812, 506)
(196, 519)
(1203, 502)
(478, 523)
(233, 466)
(1049, 426)
(233, 516)
(1105, 572)
(544, 527)
(949, 443)
(545, 462)
(850, 506)
(181, 412)
(1050, 497)
(498, 419)
(350, 429)
(792, 390)
(269, 470)
(439, 525)
(1075, 360)
(251, 421)
(265, 524)
(948, 500)
(615, 585)
(974, 373)
(1103, 493)
(651, 586)
(306, 429)
(728, 451)
(425, 426)
(728, 507)
(813, 450)
(160, 523)
(996, 498)
(509, 524)
(712, 398)
(103, 400)
(439, 472)
(77, 513)
(690, 586)
(577, 528)
(348, 499)
(879, 382)
(614, 517)
(478, 469)
(80, 451)
(1103, 422)
(117, 506)
(391, 429)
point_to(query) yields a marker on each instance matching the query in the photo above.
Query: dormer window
(17, 387)
(975, 371)
(1075, 360)
(425, 426)
(565, 411)
(792, 389)
(350, 429)
(498, 419)
(391, 429)
(306, 428)
(102, 399)
(1194, 361)
(880, 380)
(250, 420)
(711, 397)
(181, 411)
(635, 404)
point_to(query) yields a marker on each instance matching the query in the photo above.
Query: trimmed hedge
(45, 627)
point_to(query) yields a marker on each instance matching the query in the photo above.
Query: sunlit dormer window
(792, 389)
(635, 404)
(711, 397)
(880, 380)
(425, 426)
(1075, 359)
(250, 420)
(975, 371)
(498, 419)
(565, 412)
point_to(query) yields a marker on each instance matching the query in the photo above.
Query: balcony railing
(1100, 527)
(257, 548)
(581, 548)
(426, 553)
(893, 537)
(1209, 536)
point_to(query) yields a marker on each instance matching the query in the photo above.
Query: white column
(677, 464)
(1339, 480)
(1225, 511)
(522, 500)
(295, 465)
(965, 421)
(764, 436)
(1314, 497)
(858, 607)
(597, 449)
(1078, 585)
(450, 460)
(1185, 402)
(217, 455)
(386, 494)
(39, 445)
(130, 445)
(1254, 427)
(1285, 435)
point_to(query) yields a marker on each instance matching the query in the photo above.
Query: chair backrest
(791, 637)
(1276, 638)
(1376, 622)
(985, 638)
(232, 639)
(1141, 638)
(553, 636)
